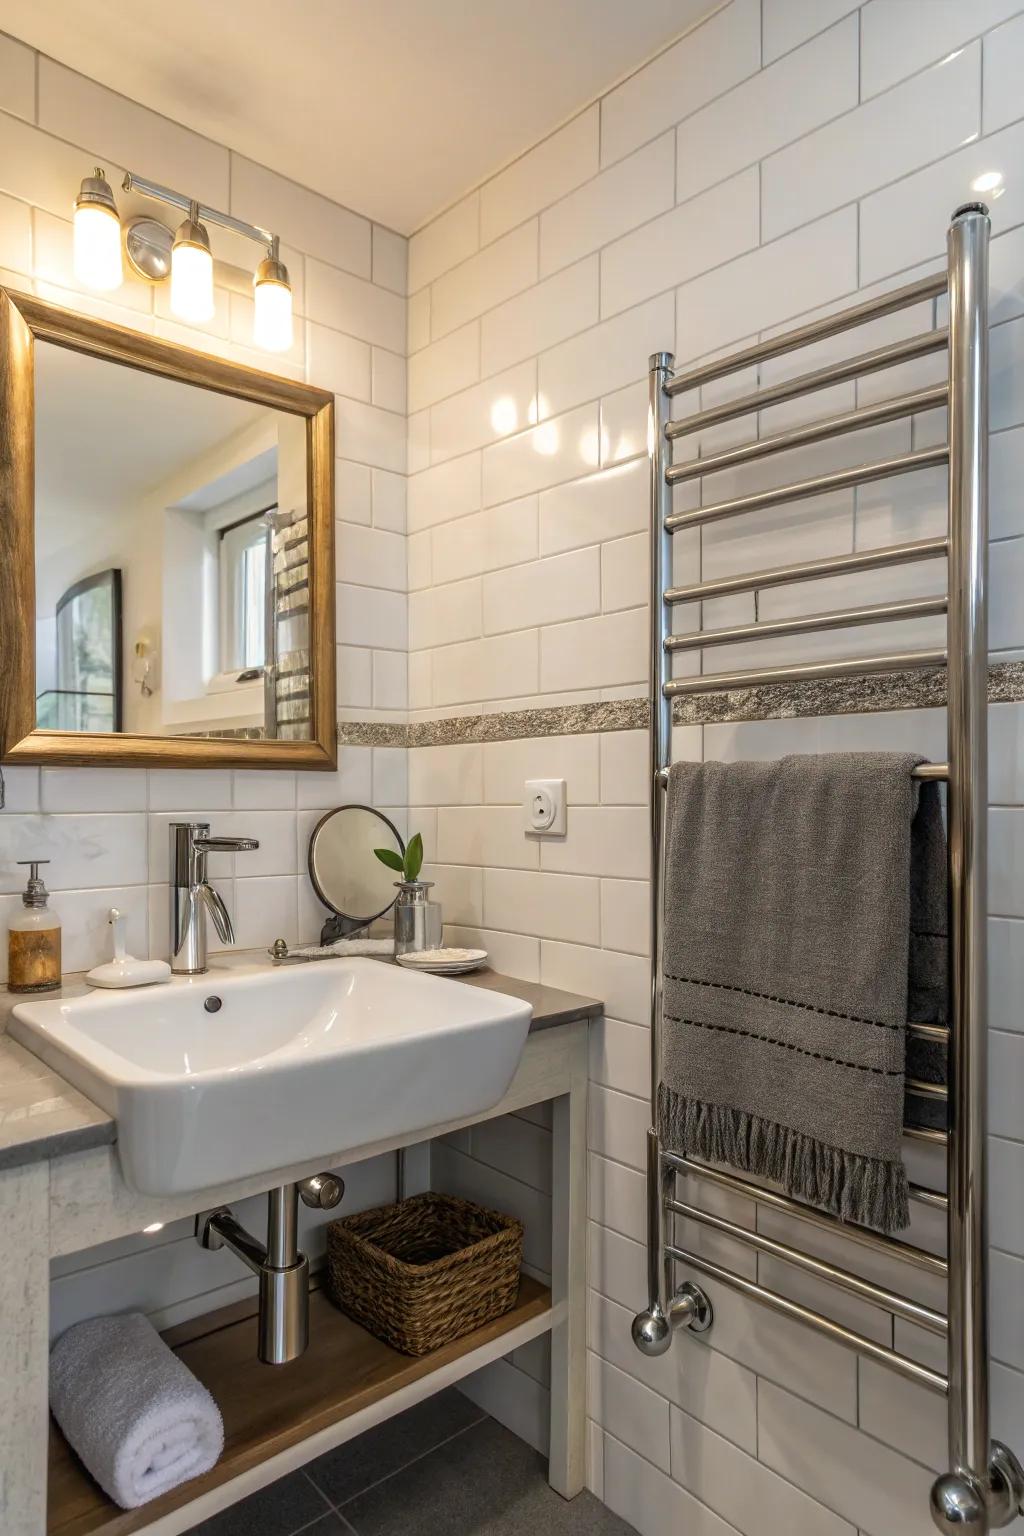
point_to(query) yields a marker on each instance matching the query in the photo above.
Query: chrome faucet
(192, 894)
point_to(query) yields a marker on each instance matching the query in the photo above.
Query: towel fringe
(866, 1190)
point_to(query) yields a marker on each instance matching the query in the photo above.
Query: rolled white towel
(136, 1416)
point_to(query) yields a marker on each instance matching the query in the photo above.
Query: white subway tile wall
(777, 159)
(819, 149)
(104, 830)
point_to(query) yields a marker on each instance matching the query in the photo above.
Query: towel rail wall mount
(984, 1488)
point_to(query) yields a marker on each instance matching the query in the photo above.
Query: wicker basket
(425, 1271)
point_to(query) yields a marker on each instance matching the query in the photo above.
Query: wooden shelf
(267, 1409)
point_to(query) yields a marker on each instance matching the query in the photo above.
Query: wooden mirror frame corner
(24, 320)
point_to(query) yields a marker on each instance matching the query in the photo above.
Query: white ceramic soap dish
(444, 962)
(124, 970)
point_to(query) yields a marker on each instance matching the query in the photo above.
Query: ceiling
(392, 107)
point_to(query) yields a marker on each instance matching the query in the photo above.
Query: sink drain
(212, 1004)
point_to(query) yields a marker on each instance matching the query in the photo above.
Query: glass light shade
(272, 316)
(97, 247)
(191, 282)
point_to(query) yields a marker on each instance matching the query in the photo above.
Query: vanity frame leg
(24, 1348)
(567, 1453)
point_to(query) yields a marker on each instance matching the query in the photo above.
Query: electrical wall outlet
(544, 807)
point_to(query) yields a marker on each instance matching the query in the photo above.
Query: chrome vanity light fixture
(97, 235)
(155, 253)
(272, 302)
(192, 271)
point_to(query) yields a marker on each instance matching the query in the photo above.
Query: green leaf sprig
(408, 866)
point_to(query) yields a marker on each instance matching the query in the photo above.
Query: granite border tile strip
(373, 733)
(870, 693)
(552, 720)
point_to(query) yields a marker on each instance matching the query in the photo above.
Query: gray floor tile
(382, 1451)
(485, 1482)
(279, 1510)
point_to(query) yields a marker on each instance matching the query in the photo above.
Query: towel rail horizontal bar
(811, 570)
(933, 1197)
(814, 432)
(932, 772)
(855, 1285)
(938, 1032)
(866, 1237)
(922, 1133)
(809, 671)
(800, 490)
(922, 1374)
(926, 1090)
(875, 361)
(739, 1185)
(815, 330)
(812, 623)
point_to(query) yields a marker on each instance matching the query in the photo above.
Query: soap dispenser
(124, 970)
(34, 939)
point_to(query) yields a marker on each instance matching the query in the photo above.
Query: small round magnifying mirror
(346, 873)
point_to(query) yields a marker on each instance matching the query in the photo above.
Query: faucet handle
(218, 911)
(225, 844)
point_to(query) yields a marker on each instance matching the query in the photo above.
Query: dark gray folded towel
(805, 914)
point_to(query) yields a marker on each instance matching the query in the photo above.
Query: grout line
(788, 53)
(598, 101)
(904, 176)
(660, 1471)
(423, 1456)
(304, 1472)
(787, 1481)
(324, 1514)
(780, 1386)
(512, 1177)
(777, 327)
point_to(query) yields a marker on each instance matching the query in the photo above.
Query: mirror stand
(338, 927)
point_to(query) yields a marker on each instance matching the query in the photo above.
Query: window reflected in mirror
(172, 565)
(86, 660)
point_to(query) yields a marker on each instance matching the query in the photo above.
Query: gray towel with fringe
(805, 921)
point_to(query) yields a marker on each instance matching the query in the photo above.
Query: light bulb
(272, 306)
(97, 236)
(192, 272)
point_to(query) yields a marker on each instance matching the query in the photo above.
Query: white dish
(444, 962)
(129, 972)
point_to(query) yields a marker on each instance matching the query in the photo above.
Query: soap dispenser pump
(33, 944)
(124, 970)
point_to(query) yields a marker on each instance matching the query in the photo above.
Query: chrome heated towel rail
(985, 1487)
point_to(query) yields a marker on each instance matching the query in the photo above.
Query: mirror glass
(171, 556)
(346, 873)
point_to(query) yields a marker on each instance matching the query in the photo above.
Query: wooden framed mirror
(167, 586)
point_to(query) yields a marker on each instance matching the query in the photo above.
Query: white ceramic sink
(297, 1063)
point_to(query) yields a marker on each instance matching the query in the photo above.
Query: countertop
(42, 1116)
